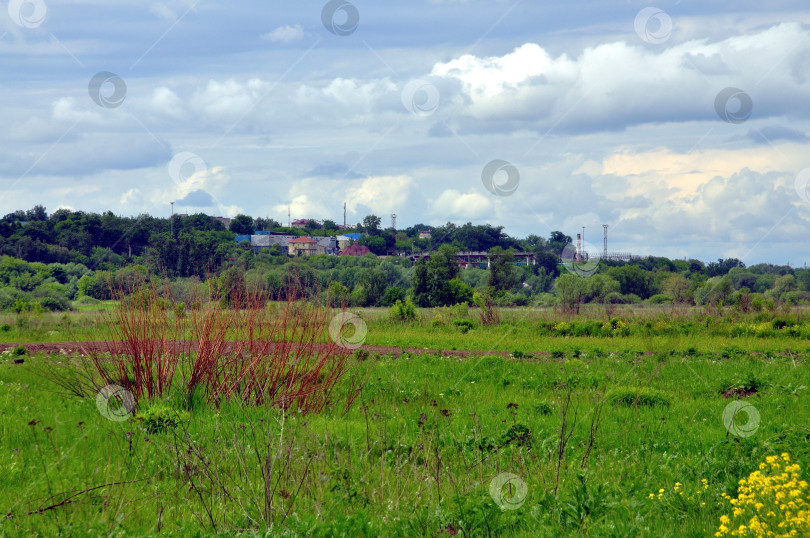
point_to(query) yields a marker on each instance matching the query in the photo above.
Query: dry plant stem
(596, 421)
(565, 432)
(70, 498)
(282, 357)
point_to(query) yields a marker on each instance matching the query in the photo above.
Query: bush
(615, 298)
(160, 418)
(660, 298)
(403, 311)
(179, 310)
(52, 304)
(464, 325)
(638, 397)
(392, 295)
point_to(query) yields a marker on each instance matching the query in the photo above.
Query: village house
(305, 246)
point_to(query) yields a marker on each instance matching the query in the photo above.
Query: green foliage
(372, 470)
(392, 295)
(159, 418)
(432, 279)
(638, 397)
(464, 325)
(518, 435)
(400, 311)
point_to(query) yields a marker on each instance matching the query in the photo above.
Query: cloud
(665, 174)
(130, 197)
(382, 194)
(166, 102)
(334, 170)
(300, 207)
(452, 204)
(228, 100)
(772, 133)
(285, 34)
(618, 84)
(198, 198)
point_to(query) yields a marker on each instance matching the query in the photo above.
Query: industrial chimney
(579, 248)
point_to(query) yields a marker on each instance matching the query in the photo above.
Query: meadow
(616, 422)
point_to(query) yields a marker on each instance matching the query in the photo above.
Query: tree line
(50, 261)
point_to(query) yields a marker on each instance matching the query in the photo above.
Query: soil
(87, 347)
(737, 392)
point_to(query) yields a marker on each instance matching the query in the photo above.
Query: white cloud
(300, 207)
(131, 196)
(229, 99)
(452, 204)
(166, 102)
(285, 34)
(619, 84)
(382, 194)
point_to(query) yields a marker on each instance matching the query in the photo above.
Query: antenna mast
(604, 253)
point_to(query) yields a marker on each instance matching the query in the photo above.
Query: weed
(159, 418)
(638, 397)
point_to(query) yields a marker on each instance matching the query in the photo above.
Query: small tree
(571, 290)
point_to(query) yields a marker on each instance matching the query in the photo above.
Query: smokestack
(579, 248)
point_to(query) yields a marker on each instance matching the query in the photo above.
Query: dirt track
(101, 346)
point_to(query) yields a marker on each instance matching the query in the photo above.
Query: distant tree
(375, 244)
(633, 279)
(557, 242)
(373, 284)
(695, 266)
(547, 261)
(501, 274)
(267, 223)
(371, 224)
(36, 213)
(431, 278)
(722, 267)
(571, 290)
(678, 288)
(242, 225)
(313, 224)
(330, 225)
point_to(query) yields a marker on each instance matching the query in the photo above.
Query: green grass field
(587, 426)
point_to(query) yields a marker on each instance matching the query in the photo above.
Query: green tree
(242, 225)
(571, 290)
(375, 244)
(431, 278)
(633, 279)
(267, 223)
(371, 224)
(503, 275)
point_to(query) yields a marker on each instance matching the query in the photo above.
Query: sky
(682, 125)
